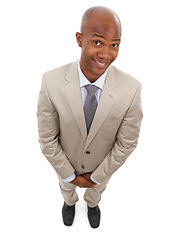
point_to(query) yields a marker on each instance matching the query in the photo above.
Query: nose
(104, 53)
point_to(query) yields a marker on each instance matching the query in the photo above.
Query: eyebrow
(97, 35)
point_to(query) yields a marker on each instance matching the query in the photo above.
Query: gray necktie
(90, 105)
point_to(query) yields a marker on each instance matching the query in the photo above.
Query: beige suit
(62, 130)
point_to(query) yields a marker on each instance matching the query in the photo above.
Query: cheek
(88, 52)
(85, 51)
(116, 53)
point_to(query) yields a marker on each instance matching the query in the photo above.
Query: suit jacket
(62, 129)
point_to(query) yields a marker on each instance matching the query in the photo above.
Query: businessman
(89, 114)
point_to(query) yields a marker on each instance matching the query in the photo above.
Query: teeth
(102, 64)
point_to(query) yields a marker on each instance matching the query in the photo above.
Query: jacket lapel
(73, 93)
(108, 96)
(105, 104)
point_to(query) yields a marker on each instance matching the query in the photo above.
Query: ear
(79, 39)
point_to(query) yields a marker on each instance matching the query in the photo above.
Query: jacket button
(87, 152)
(82, 166)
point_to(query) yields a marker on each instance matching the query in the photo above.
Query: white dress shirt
(83, 82)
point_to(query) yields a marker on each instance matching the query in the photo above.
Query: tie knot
(91, 89)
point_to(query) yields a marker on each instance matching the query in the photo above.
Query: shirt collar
(84, 81)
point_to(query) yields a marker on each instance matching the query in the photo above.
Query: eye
(115, 45)
(97, 43)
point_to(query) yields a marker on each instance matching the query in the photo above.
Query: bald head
(99, 13)
(99, 40)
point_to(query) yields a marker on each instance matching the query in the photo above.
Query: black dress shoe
(68, 214)
(94, 216)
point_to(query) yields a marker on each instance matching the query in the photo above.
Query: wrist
(70, 178)
(94, 180)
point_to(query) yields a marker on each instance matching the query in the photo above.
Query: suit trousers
(92, 196)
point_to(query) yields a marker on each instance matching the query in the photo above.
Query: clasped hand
(84, 181)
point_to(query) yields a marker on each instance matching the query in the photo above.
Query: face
(100, 46)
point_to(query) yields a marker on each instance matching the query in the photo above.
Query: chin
(99, 72)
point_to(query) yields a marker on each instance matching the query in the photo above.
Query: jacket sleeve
(49, 130)
(126, 140)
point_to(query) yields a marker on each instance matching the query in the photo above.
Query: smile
(101, 64)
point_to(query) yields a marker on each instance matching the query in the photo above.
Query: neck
(88, 74)
(90, 77)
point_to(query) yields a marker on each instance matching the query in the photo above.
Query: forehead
(104, 26)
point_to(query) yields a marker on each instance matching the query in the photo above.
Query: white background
(141, 200)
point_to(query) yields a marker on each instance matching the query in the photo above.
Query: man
(89, 114)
